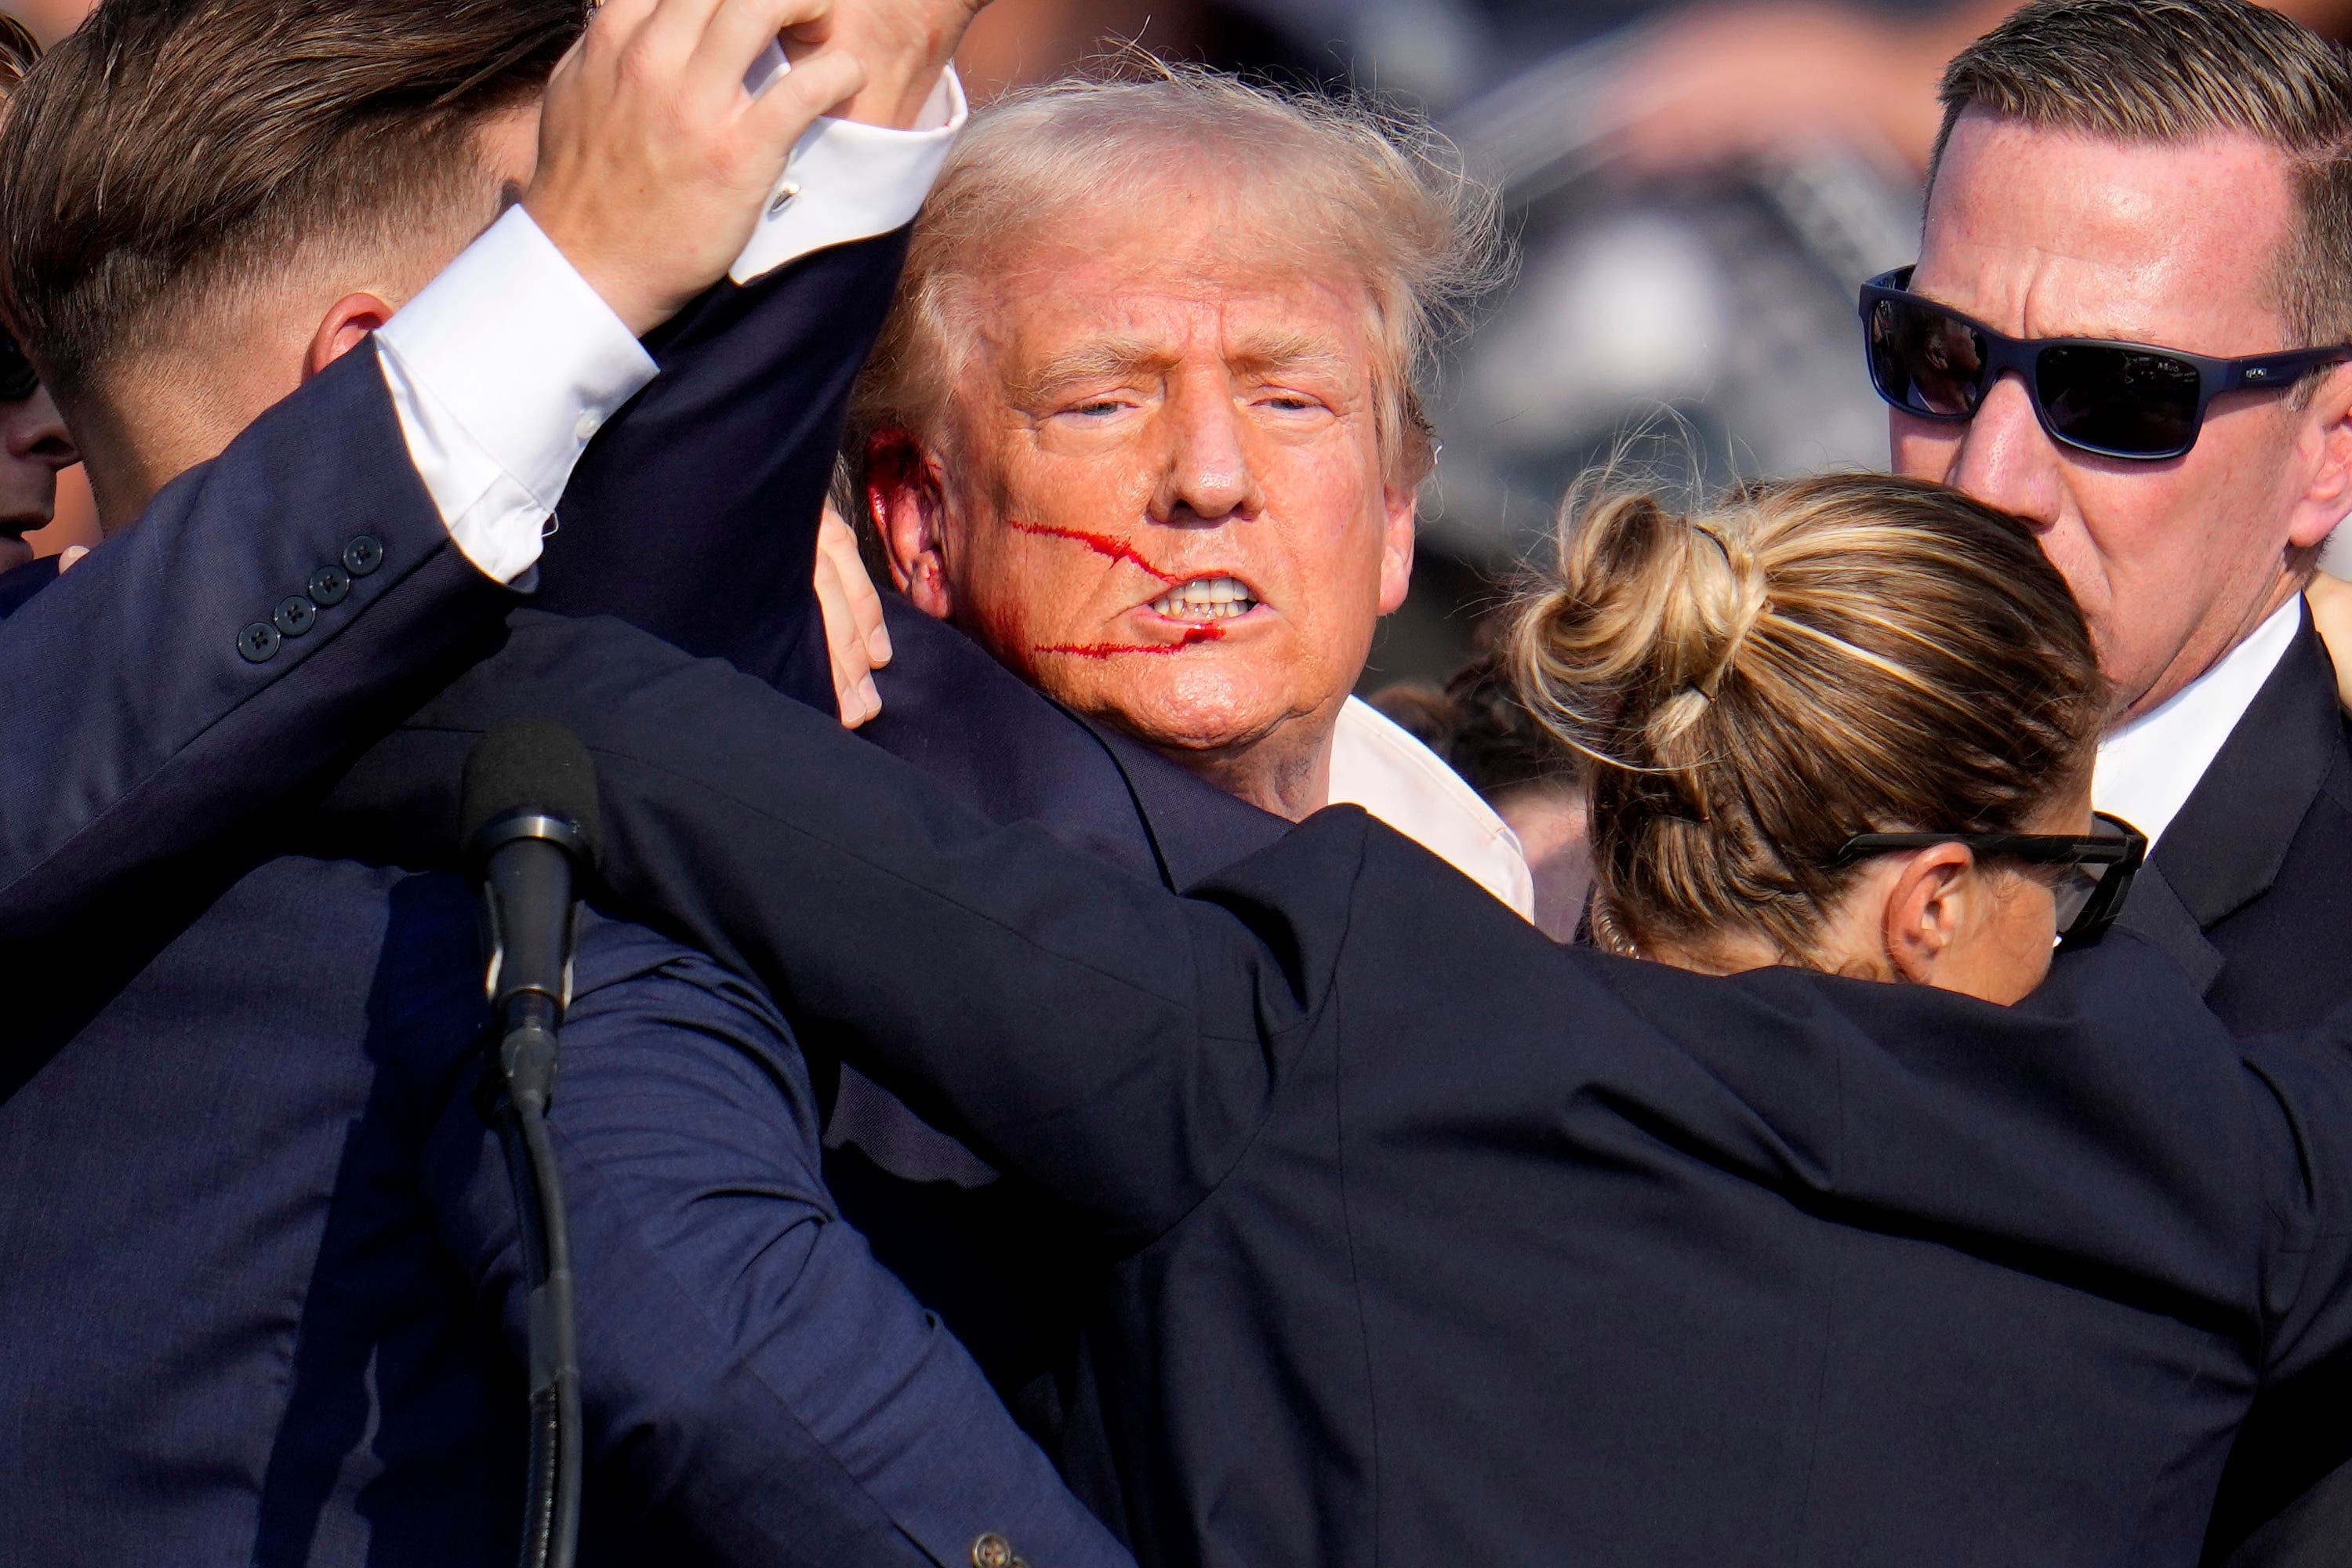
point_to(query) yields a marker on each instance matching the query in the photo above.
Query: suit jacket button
(329, 585)
(258, 642)
(294, 614)
(991, 1550)
(362, 555)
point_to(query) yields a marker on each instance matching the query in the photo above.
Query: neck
(2210, 646)
(135, 438)
(1287, 771)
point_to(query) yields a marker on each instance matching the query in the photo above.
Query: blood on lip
(1192, 636)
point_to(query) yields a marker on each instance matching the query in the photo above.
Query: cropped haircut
(1810, 659)
(171, 152)
(1331, 177)
(2178, 71)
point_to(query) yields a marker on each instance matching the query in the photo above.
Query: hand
(854, 633)
(906, 44)
(2330, 599)
(654, 163)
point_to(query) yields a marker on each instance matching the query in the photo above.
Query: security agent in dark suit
(337, 1390)
(1431, 1238)
(2113, 172)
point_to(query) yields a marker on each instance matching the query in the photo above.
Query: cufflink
(994, 1551)
(783, 198)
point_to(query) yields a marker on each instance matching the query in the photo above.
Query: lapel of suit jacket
(1196, 828)
(2226, 847)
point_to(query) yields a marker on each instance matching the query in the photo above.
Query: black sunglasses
(2102, 865)
(18, 380)
(2117, 400)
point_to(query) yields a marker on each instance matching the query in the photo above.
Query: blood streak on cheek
(1101, 545)
(1193, 637)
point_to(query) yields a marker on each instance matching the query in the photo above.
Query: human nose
(1210, 476)
(32, 431)
(2005, 459)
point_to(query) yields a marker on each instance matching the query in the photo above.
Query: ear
(906, 499)
(1925, 906)
(2325, 445)
(1396, 546)
(347, 321)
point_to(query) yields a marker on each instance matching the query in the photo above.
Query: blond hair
(2181, 70)
(1809, 660)
(1385, 191)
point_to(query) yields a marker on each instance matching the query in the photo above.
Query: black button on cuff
(362, 555)
(294, 616)
(258, 642)
(329, 585)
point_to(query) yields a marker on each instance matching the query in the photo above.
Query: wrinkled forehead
(2044, 231)
(1202, 263)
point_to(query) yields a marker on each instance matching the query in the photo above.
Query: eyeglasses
(2112, 399)
(2100, 865)
(18, 379)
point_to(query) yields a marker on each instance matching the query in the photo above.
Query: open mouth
(1204, 600)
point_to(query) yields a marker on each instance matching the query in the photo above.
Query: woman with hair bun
(1768, 689)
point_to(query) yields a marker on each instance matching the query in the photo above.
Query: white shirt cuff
(849, 181)
(500, 370)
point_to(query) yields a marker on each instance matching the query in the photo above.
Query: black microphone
(527, 818)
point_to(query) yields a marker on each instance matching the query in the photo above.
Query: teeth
(1206, 599)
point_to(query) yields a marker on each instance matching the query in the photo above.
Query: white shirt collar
(1376, 765)
(2148, 769)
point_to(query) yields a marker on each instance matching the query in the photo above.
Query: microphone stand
(526, 1084)
(528, 859)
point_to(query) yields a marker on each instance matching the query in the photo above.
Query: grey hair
(1387, 191)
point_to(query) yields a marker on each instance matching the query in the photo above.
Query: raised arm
(275, 609)
(696, 516)
(1115, 1043)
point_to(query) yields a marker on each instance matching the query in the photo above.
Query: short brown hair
(2177, 70)
(167, 150)
(1811, 659)
(1384, 190)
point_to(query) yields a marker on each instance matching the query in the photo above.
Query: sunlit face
(2049, 234)
(1161, 495)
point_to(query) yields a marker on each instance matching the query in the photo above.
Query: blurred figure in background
(1478, 723)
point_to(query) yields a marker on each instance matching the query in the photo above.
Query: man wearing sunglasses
(2129, 324)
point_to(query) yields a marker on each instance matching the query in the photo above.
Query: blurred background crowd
(1695, 189)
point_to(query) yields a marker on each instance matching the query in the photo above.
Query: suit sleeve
(1115, 1043)
(769, 1392)
(271, 612)
(694, 515)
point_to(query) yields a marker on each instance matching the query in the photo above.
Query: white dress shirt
(1376, 765)
(504, 366)
(2148, 769)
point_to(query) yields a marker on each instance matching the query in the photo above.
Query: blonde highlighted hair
(1810, 659)
(1329, 178)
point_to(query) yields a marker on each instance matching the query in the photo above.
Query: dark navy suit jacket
(2249, 890)
(1428, 1240)
(261, 1262)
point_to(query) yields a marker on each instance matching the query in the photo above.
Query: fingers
(792, 102)
(838, 542)
(738, 30)
(854, 691)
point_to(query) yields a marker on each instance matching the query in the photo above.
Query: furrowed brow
(1098, 359)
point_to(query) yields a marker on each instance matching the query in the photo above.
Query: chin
(14, 552)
